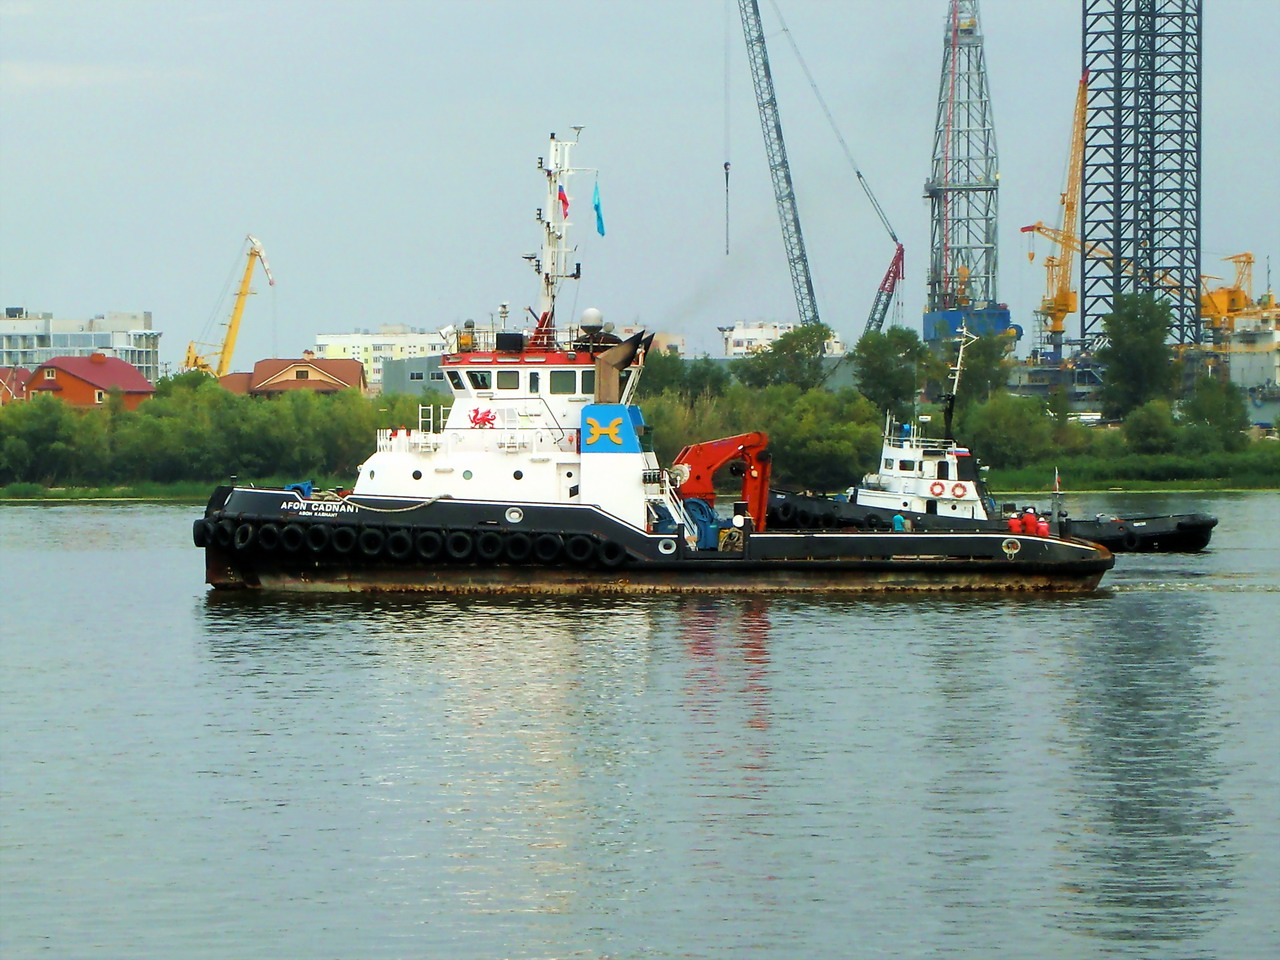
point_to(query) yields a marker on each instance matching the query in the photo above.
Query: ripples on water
(204, 775)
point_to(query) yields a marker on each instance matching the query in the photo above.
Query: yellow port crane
(1059, 298)
(1222, 305)
(195, 360)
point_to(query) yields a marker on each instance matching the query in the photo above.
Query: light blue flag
(595, 202)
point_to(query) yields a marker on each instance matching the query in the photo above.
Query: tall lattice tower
(963, 190)
(1140, 201)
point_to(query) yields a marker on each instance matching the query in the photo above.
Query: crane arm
(704, 459)
(233, 325)
(779, 168)
(884, 296)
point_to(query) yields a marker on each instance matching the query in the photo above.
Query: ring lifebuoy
(371, 541)
(344, 538)
(489, 545)
(318, 536)
(579, 548)
(268, 537)
(399, 544)
(244, 536)
(428, 545)
(611, 554)
(937, 488)
(292, 536)
(458, 545)
(959, 491)
(519, 547)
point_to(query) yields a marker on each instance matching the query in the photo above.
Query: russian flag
(564, 203)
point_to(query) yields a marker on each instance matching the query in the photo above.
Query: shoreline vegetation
(193, 435)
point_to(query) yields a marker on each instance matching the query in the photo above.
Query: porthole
(417, 474)
(519, 474)
(370, 474)
(466, 474)
(515, 515)
(568, 473)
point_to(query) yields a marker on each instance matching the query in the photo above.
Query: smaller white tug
(541, 478)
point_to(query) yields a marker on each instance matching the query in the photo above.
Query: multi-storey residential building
(30, 339)
(374, 349)
(750, 336)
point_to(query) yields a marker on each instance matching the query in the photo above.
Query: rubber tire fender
(245, 536)
(489, 544)
(344, 538)
(547, 547)
(201, 531)
(224, 533)
(269, 537)
(399, 544)
(611, 554)
(371, 541)
(458, 544)
(428, 545)
(518, 547)
(293, 536)
(1129, 541)
(785, 512)
(318, 537)
(579, 549)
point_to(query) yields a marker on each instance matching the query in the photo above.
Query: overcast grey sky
(383, 152)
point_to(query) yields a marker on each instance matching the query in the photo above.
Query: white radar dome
(591, 317)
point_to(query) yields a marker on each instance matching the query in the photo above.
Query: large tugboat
(937, 484)
(541, 478)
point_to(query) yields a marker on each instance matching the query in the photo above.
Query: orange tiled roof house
(272, 377)
(86, 381)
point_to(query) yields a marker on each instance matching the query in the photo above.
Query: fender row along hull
(464, 547)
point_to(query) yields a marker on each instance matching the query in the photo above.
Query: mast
(963, 338)
(552, 264)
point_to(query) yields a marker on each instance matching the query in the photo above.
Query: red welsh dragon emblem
(483, 418)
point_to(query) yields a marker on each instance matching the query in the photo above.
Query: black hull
(1180, 533)
(270, 539)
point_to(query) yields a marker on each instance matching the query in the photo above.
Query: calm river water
(189, 775)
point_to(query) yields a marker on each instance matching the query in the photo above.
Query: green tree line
(821, 439)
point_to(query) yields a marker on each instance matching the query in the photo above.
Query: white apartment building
(390, 342)
(751, 336)
(30, 339)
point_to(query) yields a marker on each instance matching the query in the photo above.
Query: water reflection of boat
(542, 479)
(1147, 833)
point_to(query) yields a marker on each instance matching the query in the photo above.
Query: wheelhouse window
(534, 380)
(481, 379)
(508, 379)
(564, 382)
(906, 464)
(455, 380)
(588, 381)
